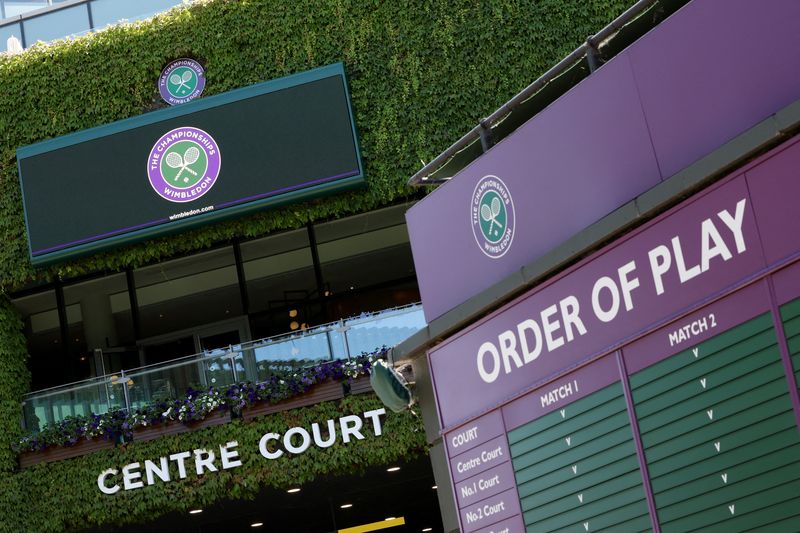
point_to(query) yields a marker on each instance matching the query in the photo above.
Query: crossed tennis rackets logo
(183, 164)
(492, 216)
(181, 81)
(181, 84)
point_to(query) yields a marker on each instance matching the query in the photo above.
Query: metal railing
(253, 361)
(30, 21)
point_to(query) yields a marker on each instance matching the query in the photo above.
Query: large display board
(651, 387)
(225, 155)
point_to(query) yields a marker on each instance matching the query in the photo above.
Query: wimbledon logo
(184, 164)
(181, 81)
(492, 216)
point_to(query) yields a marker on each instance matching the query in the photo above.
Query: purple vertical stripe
(637, 439)
(785, 354)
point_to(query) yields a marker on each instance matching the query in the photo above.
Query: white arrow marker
(569, 441)
(580, 497)
(563, 413)
(717, 446)
(586, 526)
(695, 351)
(710, 414)
(703, 382)
(732, 508)
(724, 477)
(574, 469)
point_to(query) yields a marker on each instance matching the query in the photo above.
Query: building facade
(611, 339)
(168, 324)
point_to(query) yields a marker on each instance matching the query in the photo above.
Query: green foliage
(421, 74)
(63, 496)
(14, 381)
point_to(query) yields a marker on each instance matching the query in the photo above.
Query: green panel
(579, 469)
(790, 313)
(719, 433)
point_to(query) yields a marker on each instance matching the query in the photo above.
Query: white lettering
(606, 315)
(101, 481)
(130, 474)
(161, 471)
(660, 262)
(488, 347)
(347, 429)
(264, 449)
(305, 439)
(229, 456)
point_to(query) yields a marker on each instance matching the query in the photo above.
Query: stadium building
(211, 238)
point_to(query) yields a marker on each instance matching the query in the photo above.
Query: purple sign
(787, 284)
(541, 175)
(697, 327)
(489, 511)
(557, 394)
(181, 81)
(775, 190)
(657, 272)
(480, 459)
(489, 483)
(183, 164)
(657, 117)
(475, 433)
(512, 525)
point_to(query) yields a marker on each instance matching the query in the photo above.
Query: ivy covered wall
(421, 74)
(63, 496)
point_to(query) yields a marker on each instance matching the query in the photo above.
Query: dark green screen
(93, 187)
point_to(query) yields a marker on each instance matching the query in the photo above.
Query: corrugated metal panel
(577, 470)
(718, 430)
(790, 313)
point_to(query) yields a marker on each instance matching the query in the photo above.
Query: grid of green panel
(790, 314)
(588, 483)
(731, 394)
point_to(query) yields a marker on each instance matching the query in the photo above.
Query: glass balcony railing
(253, 361)
(30, 21)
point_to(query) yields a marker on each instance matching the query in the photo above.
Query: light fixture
(435, 487)
(293, 325)
(393, 469)
(195, 511)
(257, 524)
(427, 529)
(292, 491)
(390, 518)
(292, 313)
(346, 505)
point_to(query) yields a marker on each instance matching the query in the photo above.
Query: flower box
(174, 427)
(59, 453)
(360, 385)
(321, 392)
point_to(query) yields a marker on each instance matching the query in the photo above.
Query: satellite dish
(390, 386)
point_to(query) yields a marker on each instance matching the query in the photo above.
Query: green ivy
(63, 496)
(421, 74)
(14, 382)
